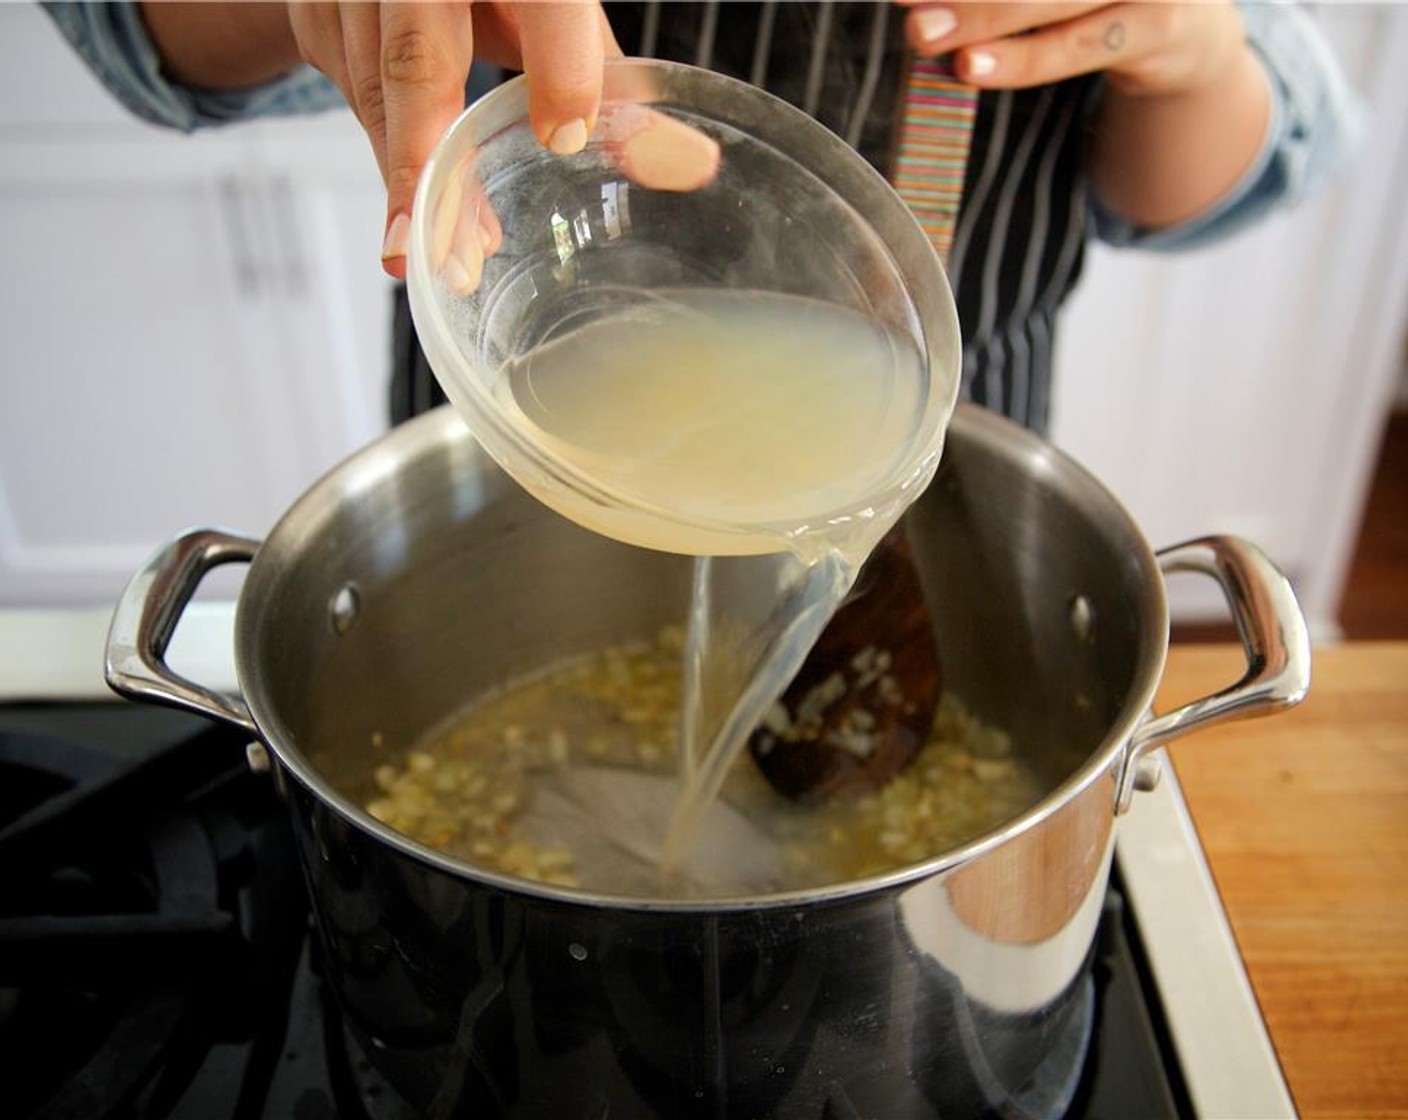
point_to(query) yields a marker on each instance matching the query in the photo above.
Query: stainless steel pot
(416, 574)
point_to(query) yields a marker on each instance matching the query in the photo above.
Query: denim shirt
(1316, 119)
(112, 40)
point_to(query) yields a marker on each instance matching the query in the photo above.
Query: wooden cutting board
(1304, 818)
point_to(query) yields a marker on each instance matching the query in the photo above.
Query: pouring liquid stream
(756, 432)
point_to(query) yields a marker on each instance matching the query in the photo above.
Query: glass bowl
(708, 203)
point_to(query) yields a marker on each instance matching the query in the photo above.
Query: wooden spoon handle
(862, 705)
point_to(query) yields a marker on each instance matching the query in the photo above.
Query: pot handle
(1274, 635)
(146, 617)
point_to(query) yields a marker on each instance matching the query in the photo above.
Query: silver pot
(416, 574)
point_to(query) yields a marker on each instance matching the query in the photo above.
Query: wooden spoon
(839, 729)
(863, 704)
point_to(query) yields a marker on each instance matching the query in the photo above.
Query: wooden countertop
(1304, 818)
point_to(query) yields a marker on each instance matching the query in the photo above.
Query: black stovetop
(156, 959)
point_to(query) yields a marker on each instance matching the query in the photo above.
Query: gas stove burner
(63, 925)
(117, 922)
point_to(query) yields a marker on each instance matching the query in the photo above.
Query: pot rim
(443, 424)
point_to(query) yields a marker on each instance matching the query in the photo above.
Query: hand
(1145, 49)
(1186, 106)
(650, 148)
(402, 68)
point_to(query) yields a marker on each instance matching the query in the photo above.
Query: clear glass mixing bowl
(690, 180)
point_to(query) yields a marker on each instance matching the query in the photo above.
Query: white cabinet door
(192, 329)
(192, 337)
(135, 361)
(326, 208)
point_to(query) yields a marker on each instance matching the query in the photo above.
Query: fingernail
(664, 154)
(461, 281)
(398, 235)
(568, 138)
(981, 63)
(933, 23)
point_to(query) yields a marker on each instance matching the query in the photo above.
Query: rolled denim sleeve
(113, 41)
(1316, 123)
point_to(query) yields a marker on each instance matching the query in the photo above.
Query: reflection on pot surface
(490, 1003)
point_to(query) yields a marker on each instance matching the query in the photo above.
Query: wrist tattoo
(1114, 36)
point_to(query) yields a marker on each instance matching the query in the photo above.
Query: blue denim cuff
(113, 41)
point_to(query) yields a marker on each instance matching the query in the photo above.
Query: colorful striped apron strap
(935, 133)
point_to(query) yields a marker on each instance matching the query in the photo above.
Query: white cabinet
(191, 328)
(322, 207)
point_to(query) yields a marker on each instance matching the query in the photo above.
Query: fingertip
(662, 153)
(464, 266)
(564, 47)
(927, 28)
(563, 121)
(395, 241)
(491, 234)
(975, 65)
(568, 139)
(405, 164)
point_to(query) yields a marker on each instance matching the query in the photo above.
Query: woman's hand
(1143, 48)
(1186, 106)
(402, 68)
